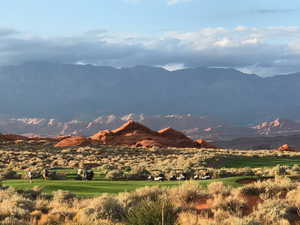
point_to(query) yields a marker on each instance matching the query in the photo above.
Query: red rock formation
(12, 137)
(128, 134)
(135, 134)
(74, 141)
(148, 144)
(46, 139)
(205, 144)
(286, 147)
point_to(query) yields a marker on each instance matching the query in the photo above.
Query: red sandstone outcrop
(75, 141)
(286, 147)
(12, 137)
(205, 144)
(136, 134)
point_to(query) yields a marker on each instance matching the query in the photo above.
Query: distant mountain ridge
(195, 127)
(62, 91)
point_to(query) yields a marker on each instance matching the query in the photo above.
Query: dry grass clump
(269, 188)
(9, 174)
(187, 193)
(130, 199)
(219, 188)
(275, 211)
(159, 212)
(232, 205)
(14, 205)
(105, 207)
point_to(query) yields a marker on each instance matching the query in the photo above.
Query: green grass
(256, 162)
(97, 187)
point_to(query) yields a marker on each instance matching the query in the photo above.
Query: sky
(254, 36)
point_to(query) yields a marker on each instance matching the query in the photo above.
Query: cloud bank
(266, 51)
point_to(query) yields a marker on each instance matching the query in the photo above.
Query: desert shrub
(187, 193)
(296, 168)
(247, 172)
(250, 189)
(294, 196)
(138, 173)
(242, 221)
(191, 218)
(279, 170)
(130, 199)
(13, 221)
(221, 173)
(63, 196)
(57, 176)
(271, 189)
(103, 207)
(189, 171)
(31, 193)
(9, 174)
(159, 212)
(13, 204)
(217, 188)
(115, 175)
(274, 210)
(233, 205)
(108, 167)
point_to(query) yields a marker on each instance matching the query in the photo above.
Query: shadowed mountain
(83, 91)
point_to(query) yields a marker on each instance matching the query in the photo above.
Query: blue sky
(177, 33)
(57, 17)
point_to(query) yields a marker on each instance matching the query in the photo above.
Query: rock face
(136, 134)
(74, 141)
(278, 127)
(286, 147)
(12, 137)
(205, 144)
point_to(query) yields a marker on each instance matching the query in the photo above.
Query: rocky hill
(137, 135)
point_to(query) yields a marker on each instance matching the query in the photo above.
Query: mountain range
(66, 92)
(195, 127)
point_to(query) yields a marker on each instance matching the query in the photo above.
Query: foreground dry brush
(270, 202)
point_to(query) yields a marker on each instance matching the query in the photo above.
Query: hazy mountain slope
(194, 126)
(261, 142)
(76, 91)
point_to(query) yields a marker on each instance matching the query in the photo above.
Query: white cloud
(240, 28)
(173, 66)
(262, 50)
(225, 42)
(250, 41)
